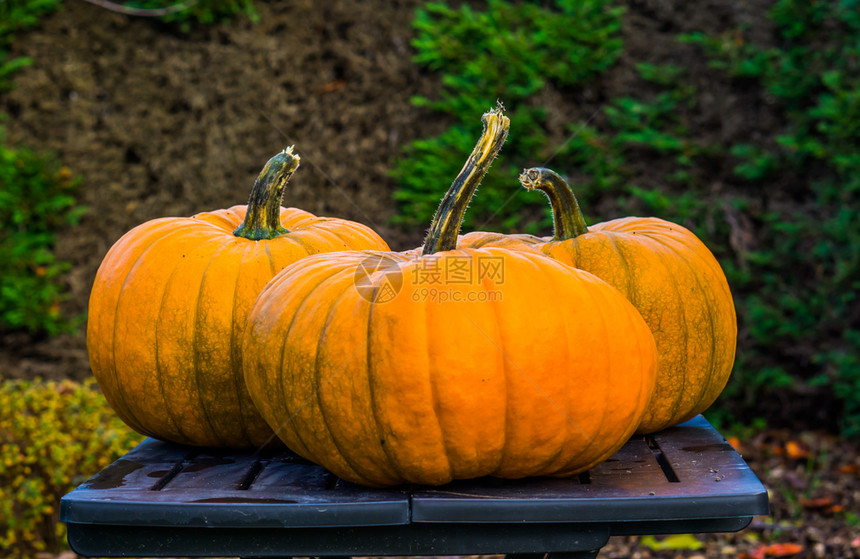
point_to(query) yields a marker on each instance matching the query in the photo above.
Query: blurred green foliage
(20, 14)
(15, 15)
(782, 217)
(506, 53)
(650, 130)
(799, 284)
(37, 199)
(53, 436)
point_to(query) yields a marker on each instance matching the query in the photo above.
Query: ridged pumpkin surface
(677, 285)
(668, 274)
(546, 372)
(167, 312)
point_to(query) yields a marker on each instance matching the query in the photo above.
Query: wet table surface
(163, 499)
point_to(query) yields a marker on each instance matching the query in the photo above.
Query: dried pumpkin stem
(567, 217)
(263, 217)
(445, 227)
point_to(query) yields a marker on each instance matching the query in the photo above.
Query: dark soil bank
(160, 123)
(164, 123)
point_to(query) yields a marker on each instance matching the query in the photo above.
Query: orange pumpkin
(668, 274)
(169, 304)
(505, 363)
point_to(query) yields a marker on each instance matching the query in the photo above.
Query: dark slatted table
(164, 500)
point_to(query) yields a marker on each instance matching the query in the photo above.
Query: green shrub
(15, 15)
(20, 14)
(53, 436)
(643, 131)
(798, 288)
(9, 67)
(795, 284)
(506, 53)
(36, 200)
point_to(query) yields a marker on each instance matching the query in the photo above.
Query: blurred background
(738, 119)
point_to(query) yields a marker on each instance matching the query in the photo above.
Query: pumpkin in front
(169, 302)
(362, 363)
(448, 363)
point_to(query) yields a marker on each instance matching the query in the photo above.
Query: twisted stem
(445, 227)
(567, 217)
(263, 217)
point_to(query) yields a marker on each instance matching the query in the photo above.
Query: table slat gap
(662, 461)
(251, 476)
(171, 474)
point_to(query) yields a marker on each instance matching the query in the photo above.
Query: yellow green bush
(53, 436)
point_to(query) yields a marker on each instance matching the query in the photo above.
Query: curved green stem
(263, 217)
(445, 226)
(567, 217)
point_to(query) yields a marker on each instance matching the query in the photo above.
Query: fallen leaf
(736, 444)
(817, 504)
(796, 451)
(675, 541)
(757, 553)
(336, 85)
(64, 174)
(782, 549)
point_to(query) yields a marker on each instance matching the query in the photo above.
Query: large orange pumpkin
(456, 363)
(668, 274)
(169, 303)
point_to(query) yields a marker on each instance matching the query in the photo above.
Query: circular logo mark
(378, 278)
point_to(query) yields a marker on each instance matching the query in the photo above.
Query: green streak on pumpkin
(566, 215)
(445, 227)
(263, 217)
